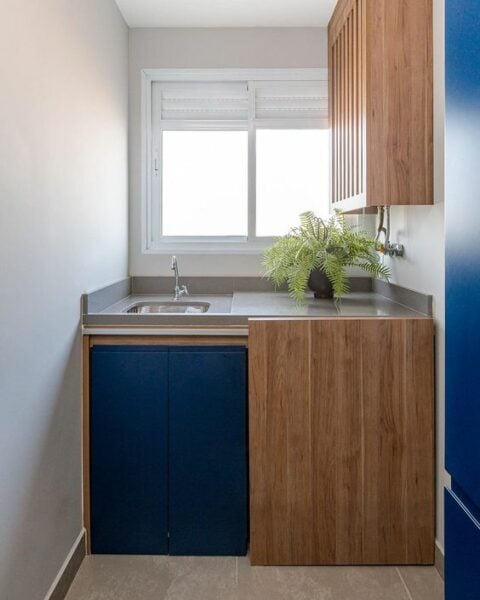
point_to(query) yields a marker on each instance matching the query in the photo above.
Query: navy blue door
(129, 428)
(462, 224)
(462, 535)
(463, 244)
(208, 451)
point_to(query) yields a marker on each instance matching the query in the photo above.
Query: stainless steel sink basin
(150, 308)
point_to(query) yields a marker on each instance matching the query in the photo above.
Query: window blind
(292, 100)
(203, 101)
(229, 101)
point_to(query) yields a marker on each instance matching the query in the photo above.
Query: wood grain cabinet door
(381, 103)
(341, 417)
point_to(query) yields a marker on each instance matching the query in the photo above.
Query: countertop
(236, 309)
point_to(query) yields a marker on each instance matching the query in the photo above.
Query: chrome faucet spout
(178, 291)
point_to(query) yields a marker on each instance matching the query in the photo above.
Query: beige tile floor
(230, 578)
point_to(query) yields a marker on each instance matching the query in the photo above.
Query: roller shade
(203, 101)
(292, 100)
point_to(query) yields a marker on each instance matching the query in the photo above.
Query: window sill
(220, 248)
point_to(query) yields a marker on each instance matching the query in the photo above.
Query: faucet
(178, 291)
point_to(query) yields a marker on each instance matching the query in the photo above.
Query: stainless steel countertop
(235, 309)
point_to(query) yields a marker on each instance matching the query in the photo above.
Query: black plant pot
(319, 283)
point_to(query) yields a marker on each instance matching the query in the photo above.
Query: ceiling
(226, 13)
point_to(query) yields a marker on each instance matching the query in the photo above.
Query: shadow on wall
(47, 477)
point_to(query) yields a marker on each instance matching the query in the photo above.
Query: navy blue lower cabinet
(128, 449)
(462, 550)
(168, 450)
(208, 451)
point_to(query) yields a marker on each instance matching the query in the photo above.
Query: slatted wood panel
(341, 441)
(347, 111)
(381, 103)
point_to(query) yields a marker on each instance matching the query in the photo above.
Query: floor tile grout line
(410, 597)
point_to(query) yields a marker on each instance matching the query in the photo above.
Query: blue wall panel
(462, 538)
(462, 227)
(129, 428)
(208, 451)
(463, 244)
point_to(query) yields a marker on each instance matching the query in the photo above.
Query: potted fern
(317, 253)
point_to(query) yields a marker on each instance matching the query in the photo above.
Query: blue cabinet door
(462, 550)
(462, 226)
(208, 451)
(129, 428)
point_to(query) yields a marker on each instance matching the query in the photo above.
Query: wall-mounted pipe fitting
(387, 247)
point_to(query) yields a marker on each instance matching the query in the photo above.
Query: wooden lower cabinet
(341, 426)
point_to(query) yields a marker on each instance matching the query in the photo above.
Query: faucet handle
(184, 290)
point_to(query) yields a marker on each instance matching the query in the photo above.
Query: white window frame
(152, 241)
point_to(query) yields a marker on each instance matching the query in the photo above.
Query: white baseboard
(440, 558)
(59, 582)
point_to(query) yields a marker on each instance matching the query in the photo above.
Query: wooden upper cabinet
(381, 103)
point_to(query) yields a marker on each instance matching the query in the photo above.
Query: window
(232, 158)
(205, 183)
(292, 177)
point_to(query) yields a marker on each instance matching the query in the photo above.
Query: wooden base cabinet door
(208, 451)
(341, 419)
(128, 470)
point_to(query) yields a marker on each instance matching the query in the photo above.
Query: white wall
(207, 48)
(421, 229)
(63, 230)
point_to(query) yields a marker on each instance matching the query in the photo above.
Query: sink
(149, 308)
